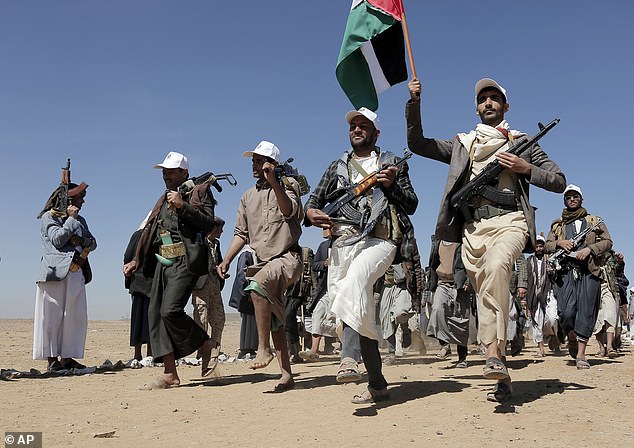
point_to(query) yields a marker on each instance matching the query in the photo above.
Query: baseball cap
(541, 238)
(486, 83)
(365, 112)
(573, 187)
(174, 160)
(266, 149)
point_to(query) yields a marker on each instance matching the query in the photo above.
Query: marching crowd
(365, 283)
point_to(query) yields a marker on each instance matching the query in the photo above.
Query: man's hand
(269, 172)
(566, 245)
(514, 163)
(222, 270)
(129, 268)
(386, 176)
(415, 89)
(583, 253)
(72, 211)
(174, 199)
(318, 218)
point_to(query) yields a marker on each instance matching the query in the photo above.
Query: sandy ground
(432, 403)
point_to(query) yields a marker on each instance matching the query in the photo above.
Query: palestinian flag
(372, 56)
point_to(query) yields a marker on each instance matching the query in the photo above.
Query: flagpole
(407, 42)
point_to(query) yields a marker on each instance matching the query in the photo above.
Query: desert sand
(432, 404)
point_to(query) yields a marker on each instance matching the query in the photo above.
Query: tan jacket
(544, 174)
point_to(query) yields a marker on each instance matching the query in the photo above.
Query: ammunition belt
(490, 211)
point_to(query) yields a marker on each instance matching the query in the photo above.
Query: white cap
(541, 238)
(632, 290)
(174, 160)
(364, 112)
(486, 83)
(266, 149)
(573, 187)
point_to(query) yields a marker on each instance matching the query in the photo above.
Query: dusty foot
(262, 359)
(165, 381)
(286, 383)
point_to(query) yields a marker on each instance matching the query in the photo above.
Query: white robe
(352, 272)
(61, 318)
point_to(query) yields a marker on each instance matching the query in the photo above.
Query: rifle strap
(357, 166)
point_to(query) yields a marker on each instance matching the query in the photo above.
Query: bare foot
(262, 359)
(286, 383)
(172, 379)
(163, 382)
(205, 352)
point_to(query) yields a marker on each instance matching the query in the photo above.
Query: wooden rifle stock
(361, 187)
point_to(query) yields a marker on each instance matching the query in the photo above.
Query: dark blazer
(195, 220)
(137, 282)
(544, 173)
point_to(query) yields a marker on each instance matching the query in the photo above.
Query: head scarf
(53, 202)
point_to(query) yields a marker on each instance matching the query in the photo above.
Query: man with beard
(173, 235)
(540, 300)
(493, 234)
(363, 248)
(579, 281)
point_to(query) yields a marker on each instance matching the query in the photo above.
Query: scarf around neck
(568, 216)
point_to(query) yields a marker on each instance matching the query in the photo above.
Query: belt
(340, 229)
(490, 211)
(172, 250)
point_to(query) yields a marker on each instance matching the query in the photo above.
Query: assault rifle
(286, 170)
(559, 255)
(80, 258)
(357, 189)
(480, 185)
(63, 189)
(208, 177)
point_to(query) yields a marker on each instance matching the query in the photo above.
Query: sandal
(500, 393)
(582, 364)
(371, 395)
(348, 371)
(494, 369)
(612, 354)
(309, 355)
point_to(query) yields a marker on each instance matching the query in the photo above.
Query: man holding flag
(494, 234)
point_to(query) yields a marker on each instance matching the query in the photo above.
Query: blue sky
(116, 85)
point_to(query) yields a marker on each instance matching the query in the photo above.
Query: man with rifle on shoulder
(171, 249)
(496, 224)
(584, 241)
(366, 197)
(61, 316)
